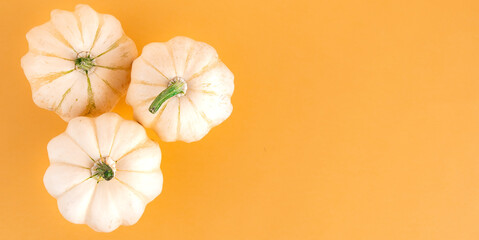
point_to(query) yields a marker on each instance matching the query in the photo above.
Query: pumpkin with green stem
(181, 89)
(103, 171)
(78, 63)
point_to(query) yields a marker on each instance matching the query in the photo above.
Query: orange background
(351, 120)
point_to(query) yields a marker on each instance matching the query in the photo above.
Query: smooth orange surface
(351, 120)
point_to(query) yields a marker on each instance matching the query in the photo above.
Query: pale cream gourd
(180, 89)
(103, 171)
(78, 63)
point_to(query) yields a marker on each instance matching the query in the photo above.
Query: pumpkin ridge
(68, 164)
(78, 145)
(152, 66)
(40, 81)
(114, 45)
(140, 145)
(91, 101)
(143, 145)
(63, 98)
(170, 52)
(160, 111)
(100, 25)
(108, 84)
(114, 68)
(118, 124)
(206, 92)
(205, 69)
(47, 54)
(178, 124)
(59, 36)
(72, 187)
(136, 171)
(88, 208)
(140, 82)
(79, 25)
(134, 191)
(201, 113)
(95, 129)
(188, 56)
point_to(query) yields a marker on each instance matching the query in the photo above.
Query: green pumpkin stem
(104, 171)
(84, 63)
(175, 87)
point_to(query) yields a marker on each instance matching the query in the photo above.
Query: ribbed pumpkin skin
(50, 65)
(207, 101)
(86, 199)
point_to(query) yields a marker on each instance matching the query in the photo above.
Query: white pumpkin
(180, 89)
(103, 171)
(78, 63)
